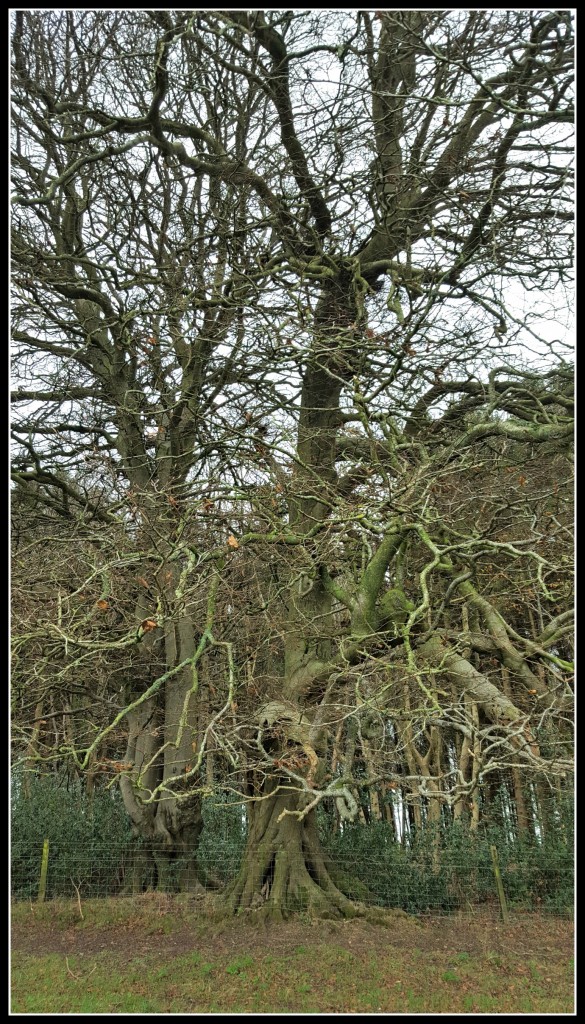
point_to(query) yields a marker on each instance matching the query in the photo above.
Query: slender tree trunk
(522, 816)
(32, 751)
(476, 761)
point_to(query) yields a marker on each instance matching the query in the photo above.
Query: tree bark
(284, 869)
(284, 865)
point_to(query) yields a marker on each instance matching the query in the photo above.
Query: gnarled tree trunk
(284, 868)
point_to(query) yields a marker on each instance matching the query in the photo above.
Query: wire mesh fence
(444, 869)
(412, 882)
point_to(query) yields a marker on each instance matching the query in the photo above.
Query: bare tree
(277, 280)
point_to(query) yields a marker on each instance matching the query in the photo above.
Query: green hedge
(88, 837)
(223, 839)
(450, 868)
(91, 845)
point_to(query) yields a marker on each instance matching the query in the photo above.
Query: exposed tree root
(284, 869)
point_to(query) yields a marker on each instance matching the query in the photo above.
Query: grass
(46, 984)
(321, 975)
(239, 964)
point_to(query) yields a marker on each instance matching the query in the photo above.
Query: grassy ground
(156, 954)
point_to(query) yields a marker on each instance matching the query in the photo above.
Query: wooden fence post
(44, 868)
(499, 884)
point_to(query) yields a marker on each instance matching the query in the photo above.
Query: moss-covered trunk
(163, 803)
(284, 869)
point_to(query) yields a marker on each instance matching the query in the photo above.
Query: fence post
(499, 884)
(44, 868)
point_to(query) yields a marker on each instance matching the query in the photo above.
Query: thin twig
(76, 976)
(78, 899)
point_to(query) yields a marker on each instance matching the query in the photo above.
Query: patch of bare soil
(525, 935)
